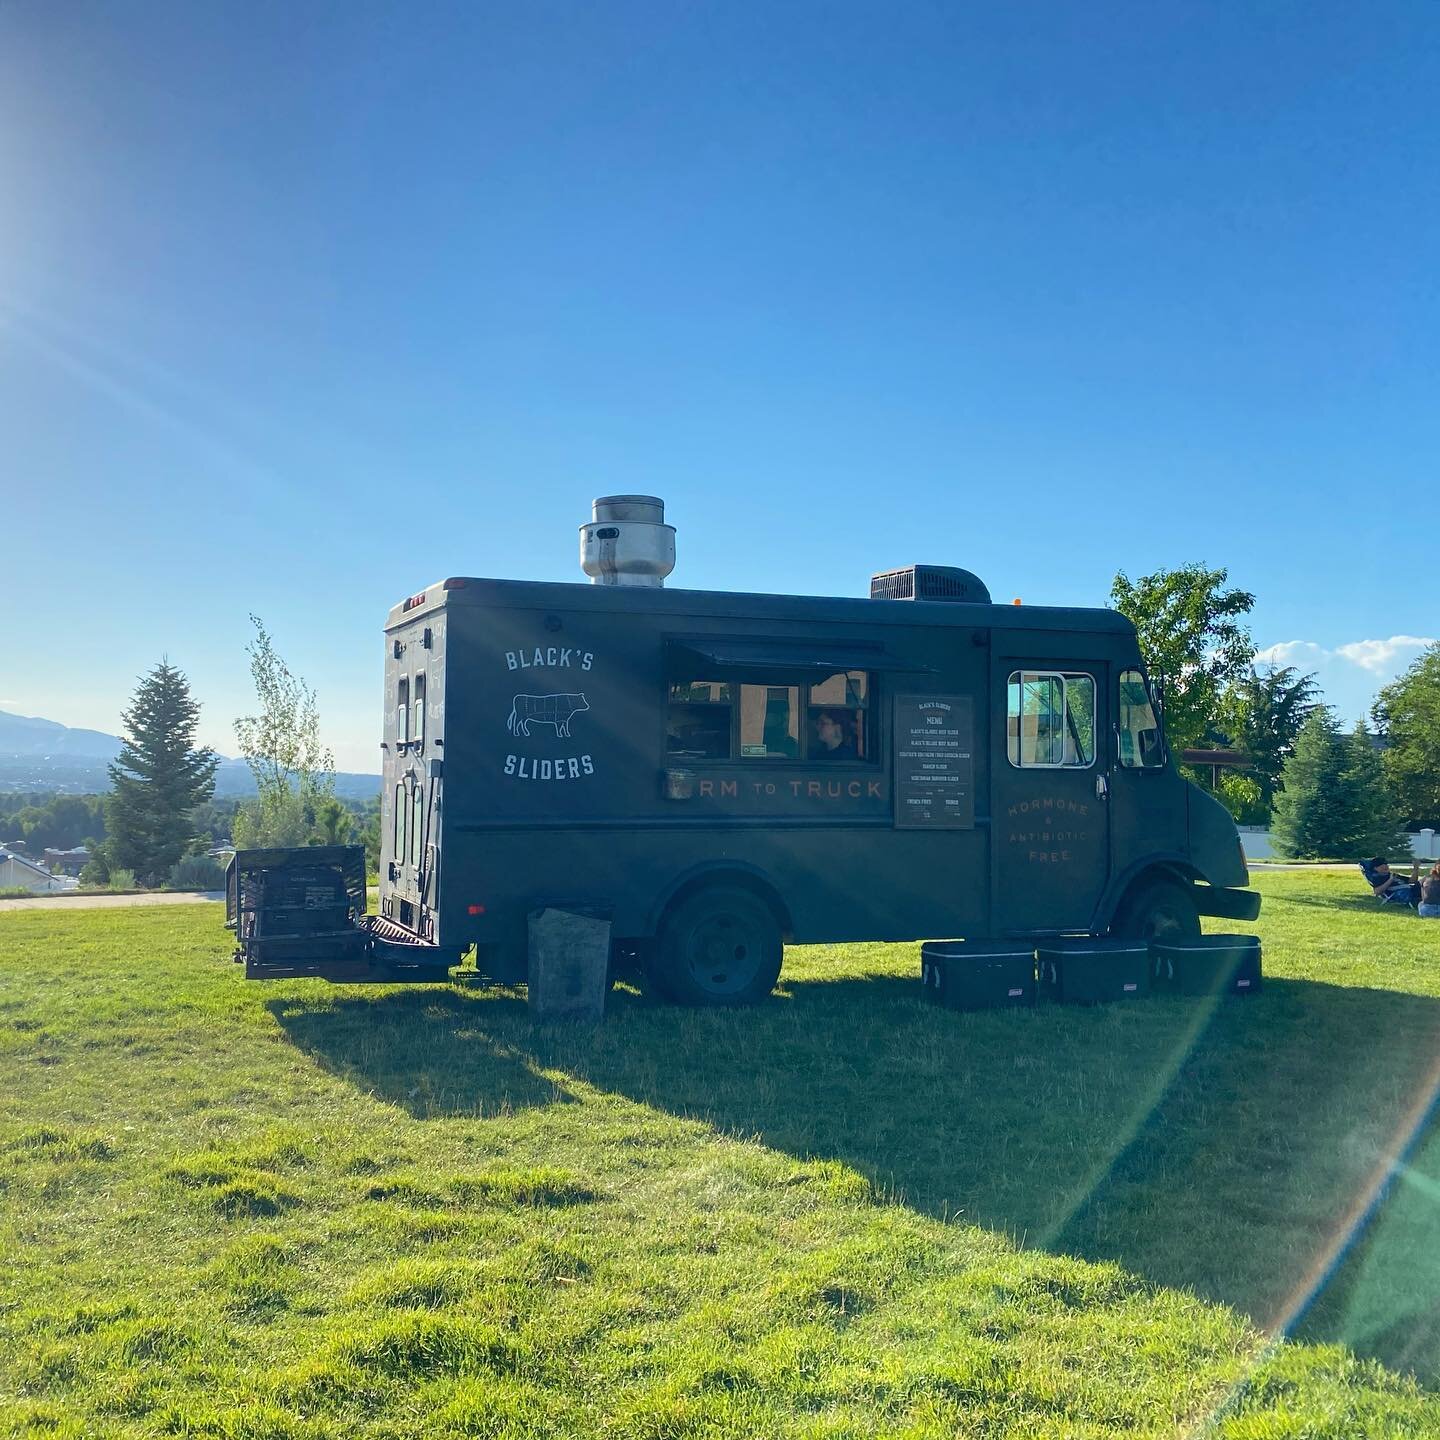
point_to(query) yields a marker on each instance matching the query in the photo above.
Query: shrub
(197, 872)
(97, 868)
(122, 879)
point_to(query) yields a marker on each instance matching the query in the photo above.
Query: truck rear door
(1050, 841)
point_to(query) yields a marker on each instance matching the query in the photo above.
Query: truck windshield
(1142, 746)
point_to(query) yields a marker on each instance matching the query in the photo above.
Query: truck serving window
(697, 724)
(402, 712)
(1050, 720)
(838, 715)
(770, 722)
(1137, 725)
(823, 721)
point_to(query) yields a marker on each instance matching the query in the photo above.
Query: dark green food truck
(720, 773)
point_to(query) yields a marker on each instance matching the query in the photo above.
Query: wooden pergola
(1217, 760)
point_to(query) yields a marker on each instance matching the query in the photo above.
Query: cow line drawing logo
(556, 710)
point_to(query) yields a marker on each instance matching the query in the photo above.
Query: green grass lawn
(264, 1211)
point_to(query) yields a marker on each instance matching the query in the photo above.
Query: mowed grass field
(296, 1210)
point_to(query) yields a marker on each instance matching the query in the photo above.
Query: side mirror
(1157, 703)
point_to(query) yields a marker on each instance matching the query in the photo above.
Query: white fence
(1256, 839)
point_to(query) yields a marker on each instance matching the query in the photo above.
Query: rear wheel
(1159, 910)
(719, 946)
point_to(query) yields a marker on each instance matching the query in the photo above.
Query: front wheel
(719, 946)
(1162, 910)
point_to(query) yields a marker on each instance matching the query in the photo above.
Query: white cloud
(1293, 652)
(1379, 656)
(1348, 674)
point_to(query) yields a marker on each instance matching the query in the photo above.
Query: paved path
(1286, 865)
(108, 902)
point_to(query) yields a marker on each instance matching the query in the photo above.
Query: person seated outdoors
(1430, 894)
(1390, 889)
(832, 738)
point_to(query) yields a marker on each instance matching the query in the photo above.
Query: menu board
(935, 762)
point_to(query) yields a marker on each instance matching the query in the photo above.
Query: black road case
(1087, 971)
(1208, 965)
(985, 975)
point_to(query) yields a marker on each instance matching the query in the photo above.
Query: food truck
(718, 774)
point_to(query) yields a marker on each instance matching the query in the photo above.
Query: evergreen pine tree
(1336, 803)
(1374, 829)
(158, 778)
(1313, 806)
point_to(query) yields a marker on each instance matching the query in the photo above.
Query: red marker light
(453, 585)
(474, 909)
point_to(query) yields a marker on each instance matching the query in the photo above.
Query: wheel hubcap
(723, 955)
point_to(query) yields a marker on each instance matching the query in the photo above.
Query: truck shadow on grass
(1222, 1147)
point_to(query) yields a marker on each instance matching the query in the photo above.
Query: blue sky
(302, 307)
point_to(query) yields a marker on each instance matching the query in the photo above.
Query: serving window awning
(804, 659)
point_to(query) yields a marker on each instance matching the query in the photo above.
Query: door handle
(1102, 787)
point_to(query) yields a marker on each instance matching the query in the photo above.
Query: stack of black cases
(1001, 974)
(983, 975)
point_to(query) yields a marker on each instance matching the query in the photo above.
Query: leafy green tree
(1335, 803)
(96, 870)
(1193, 634)
(294, 772)
(158, 778)
(1407, 714)
(1240, 793)
(370, 839)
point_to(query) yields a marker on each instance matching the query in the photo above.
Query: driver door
(1050, 840)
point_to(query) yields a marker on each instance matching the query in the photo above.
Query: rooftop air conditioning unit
(929, 582)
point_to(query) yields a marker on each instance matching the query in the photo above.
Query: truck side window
(417, 821)
(402, 711)
(1137, 725)
(398, 848)
(770, 722)
(1050, 720)
(417, 727)
(697, 722)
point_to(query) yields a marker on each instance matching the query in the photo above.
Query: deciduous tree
(294, 772)
(1407, 714)
(1192, 633)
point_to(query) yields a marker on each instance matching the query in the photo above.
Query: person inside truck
(833, 738)
(1389, 889)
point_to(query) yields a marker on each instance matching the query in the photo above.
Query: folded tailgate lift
(300, 911)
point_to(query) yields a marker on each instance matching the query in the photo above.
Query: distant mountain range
(38, 754)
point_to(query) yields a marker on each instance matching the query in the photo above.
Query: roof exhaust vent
(929, 582)
(628, 542)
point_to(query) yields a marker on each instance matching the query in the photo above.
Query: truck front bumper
(1226, 903)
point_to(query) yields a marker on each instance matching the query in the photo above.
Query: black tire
(1159, 910)
(718, 946)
